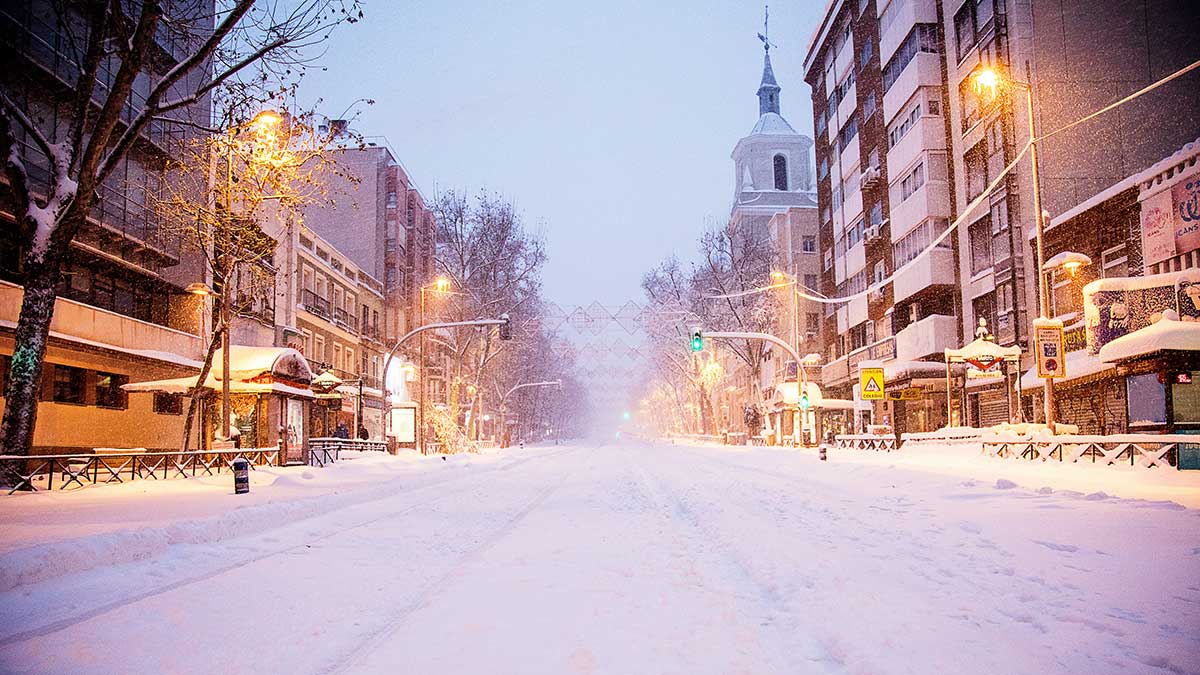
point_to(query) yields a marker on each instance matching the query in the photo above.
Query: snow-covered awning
(1168, 334)
(1078, 364)
(255, 370)
(787, 394)
(983, 350)
(184, 385)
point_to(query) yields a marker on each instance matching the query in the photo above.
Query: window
(977, 169)
(168, 404)
(912, 181)
(864, 57)
(837, 197)
(849, 132)
(820, 122)
(810, 244)
(880, 273)
(812, 322)
(1114, 262)
(922, 38)
(69, 384)
(876, 216)
(888, 17)
(980, 236)
(964, 28)
(823, 170)
(900, 128)
(916, 241)
(982, 308)
(869, 106)
(1147, 400)
(969, 102)
(109, 393)
(781, 177)
(828, 260)
(1185, 400)
(810, 282)
(391, 199)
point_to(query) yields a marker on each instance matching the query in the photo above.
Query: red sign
(1183, 378)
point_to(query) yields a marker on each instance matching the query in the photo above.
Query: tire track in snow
(721, 556)
(67, 622)
(351, 658)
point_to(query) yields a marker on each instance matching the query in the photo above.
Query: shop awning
(787, 394)
(1168, 334)
(1078, 364)
(255, 370)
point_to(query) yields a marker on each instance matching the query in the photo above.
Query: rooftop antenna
(763, 35)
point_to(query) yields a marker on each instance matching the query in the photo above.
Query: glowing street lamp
(987, 81)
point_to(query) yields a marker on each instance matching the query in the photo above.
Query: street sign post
(1050, 352)
(871, 384)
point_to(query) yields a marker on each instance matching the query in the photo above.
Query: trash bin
(241, 476)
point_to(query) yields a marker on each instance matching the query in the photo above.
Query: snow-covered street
(633, 557)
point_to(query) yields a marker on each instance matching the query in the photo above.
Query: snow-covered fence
(885, 443)
(322, 451)
(1137, 450)
(39, 472)
(956, 436)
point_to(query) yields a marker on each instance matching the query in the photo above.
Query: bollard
(241, 476)
(823, 453)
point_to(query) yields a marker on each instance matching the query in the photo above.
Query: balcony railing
(345, 318)
(315, 304)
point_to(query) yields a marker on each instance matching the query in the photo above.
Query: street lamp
(987, 82)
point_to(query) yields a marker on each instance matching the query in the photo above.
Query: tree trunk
(25, 373)
(197, 392)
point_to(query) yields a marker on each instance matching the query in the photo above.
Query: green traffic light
(625, 415)
(697, 342)
(804, 402)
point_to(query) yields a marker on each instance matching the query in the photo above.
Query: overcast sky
(608, 123)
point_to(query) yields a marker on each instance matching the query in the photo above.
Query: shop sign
(1171, 221)
(1050, 351)
(906, 394)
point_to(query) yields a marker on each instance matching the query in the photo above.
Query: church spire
(768, 89)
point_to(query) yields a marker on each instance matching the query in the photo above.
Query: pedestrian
(363, 434)
(342, 431)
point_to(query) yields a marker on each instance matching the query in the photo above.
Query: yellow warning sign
(871, 384)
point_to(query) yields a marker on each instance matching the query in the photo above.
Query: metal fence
(46, 472)
(1138, 450)
(875, 442)
(325, 450)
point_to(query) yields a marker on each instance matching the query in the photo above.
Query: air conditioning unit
(871, 232)
(869, 178)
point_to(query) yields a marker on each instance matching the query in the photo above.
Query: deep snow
(618, 558)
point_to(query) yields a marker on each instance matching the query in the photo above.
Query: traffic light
(505, 328)
(804, 401)
(697, 342)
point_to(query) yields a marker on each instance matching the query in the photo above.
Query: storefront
(270, 398)
(986, 397)
(1160, 366)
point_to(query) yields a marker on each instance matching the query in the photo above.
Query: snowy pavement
(621, 559)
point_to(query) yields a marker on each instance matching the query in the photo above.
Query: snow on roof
(1140, 283)
(1077, 364)
(1183, 154)
(183, 385)
(898, 370)
(981, 349)
(772, 123)
(1167, 334)
(248, 362)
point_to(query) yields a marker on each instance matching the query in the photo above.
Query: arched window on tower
(781, 179)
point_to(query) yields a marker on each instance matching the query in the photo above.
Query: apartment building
(1077, 59)
(122, 315)
(884, 186)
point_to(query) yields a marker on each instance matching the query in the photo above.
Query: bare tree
(221, 189)
(119, 91)
(493, 264)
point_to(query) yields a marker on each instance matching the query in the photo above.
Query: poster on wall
(404, 425)
(295, 428)
(1171, 221)
(1122, 305)
(1050, 351)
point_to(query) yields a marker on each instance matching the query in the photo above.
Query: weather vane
(763, 35)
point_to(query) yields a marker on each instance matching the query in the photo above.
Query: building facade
(884, 185)
(122, 315)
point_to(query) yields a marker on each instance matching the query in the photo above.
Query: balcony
(315, 304)
(931, 200)
(910, 13)
(930, 336)
(923, 71)
(928, 134)
(932, 269)
(76, 320)
(345, 319)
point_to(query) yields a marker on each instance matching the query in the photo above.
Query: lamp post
(986, 82)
